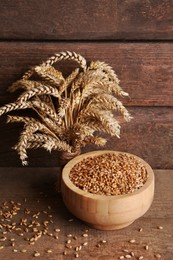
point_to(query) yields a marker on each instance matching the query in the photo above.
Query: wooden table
(34, 189)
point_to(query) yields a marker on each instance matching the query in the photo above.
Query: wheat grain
(109, 174)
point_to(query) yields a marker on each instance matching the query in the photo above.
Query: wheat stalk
(69, 111)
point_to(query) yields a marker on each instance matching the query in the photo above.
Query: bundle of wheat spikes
(68, 110)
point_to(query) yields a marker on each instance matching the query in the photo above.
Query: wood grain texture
(86, 20)
(145, 70)
(35, 190)
(149, 135)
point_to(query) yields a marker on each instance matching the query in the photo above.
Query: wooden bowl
(106, 212)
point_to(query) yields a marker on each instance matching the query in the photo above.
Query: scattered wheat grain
(23, 250)
(146, 247)
(132, 241)
(36, 254)
(160, 227)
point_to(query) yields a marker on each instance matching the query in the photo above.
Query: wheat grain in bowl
(109, 174)
(113, 211)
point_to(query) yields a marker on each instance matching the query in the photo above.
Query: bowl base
(109, 227)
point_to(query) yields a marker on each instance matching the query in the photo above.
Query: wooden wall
(133, 36)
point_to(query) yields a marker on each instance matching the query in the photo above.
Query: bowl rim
(77, 159)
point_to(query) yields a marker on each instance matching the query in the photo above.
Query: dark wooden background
(133, 36)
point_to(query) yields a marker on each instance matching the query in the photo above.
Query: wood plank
(35, 190)
(145, 70)
(149, 135)
(86, 20)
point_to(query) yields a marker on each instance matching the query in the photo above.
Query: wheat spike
(54, 128)
(51, 126)
(107, 101)
(28, 74)
(57, 145)
(106, 119)
(29, 85)
(96, 140)
(49, 143)
(67, 55)
(34, 145)
(39, 90)
(50, 74)
(23, 142)
(68, 81)
(84, 78)
(99, 141)
(98, 65)
(23, 119)
(80, 131)
(65, 103)
(19, 84)
(97, 125)
(26, 134)
(13, 106)
(47, 111)
(46, 99)
(25, 84)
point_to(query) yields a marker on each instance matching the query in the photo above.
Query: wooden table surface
(34, 189)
